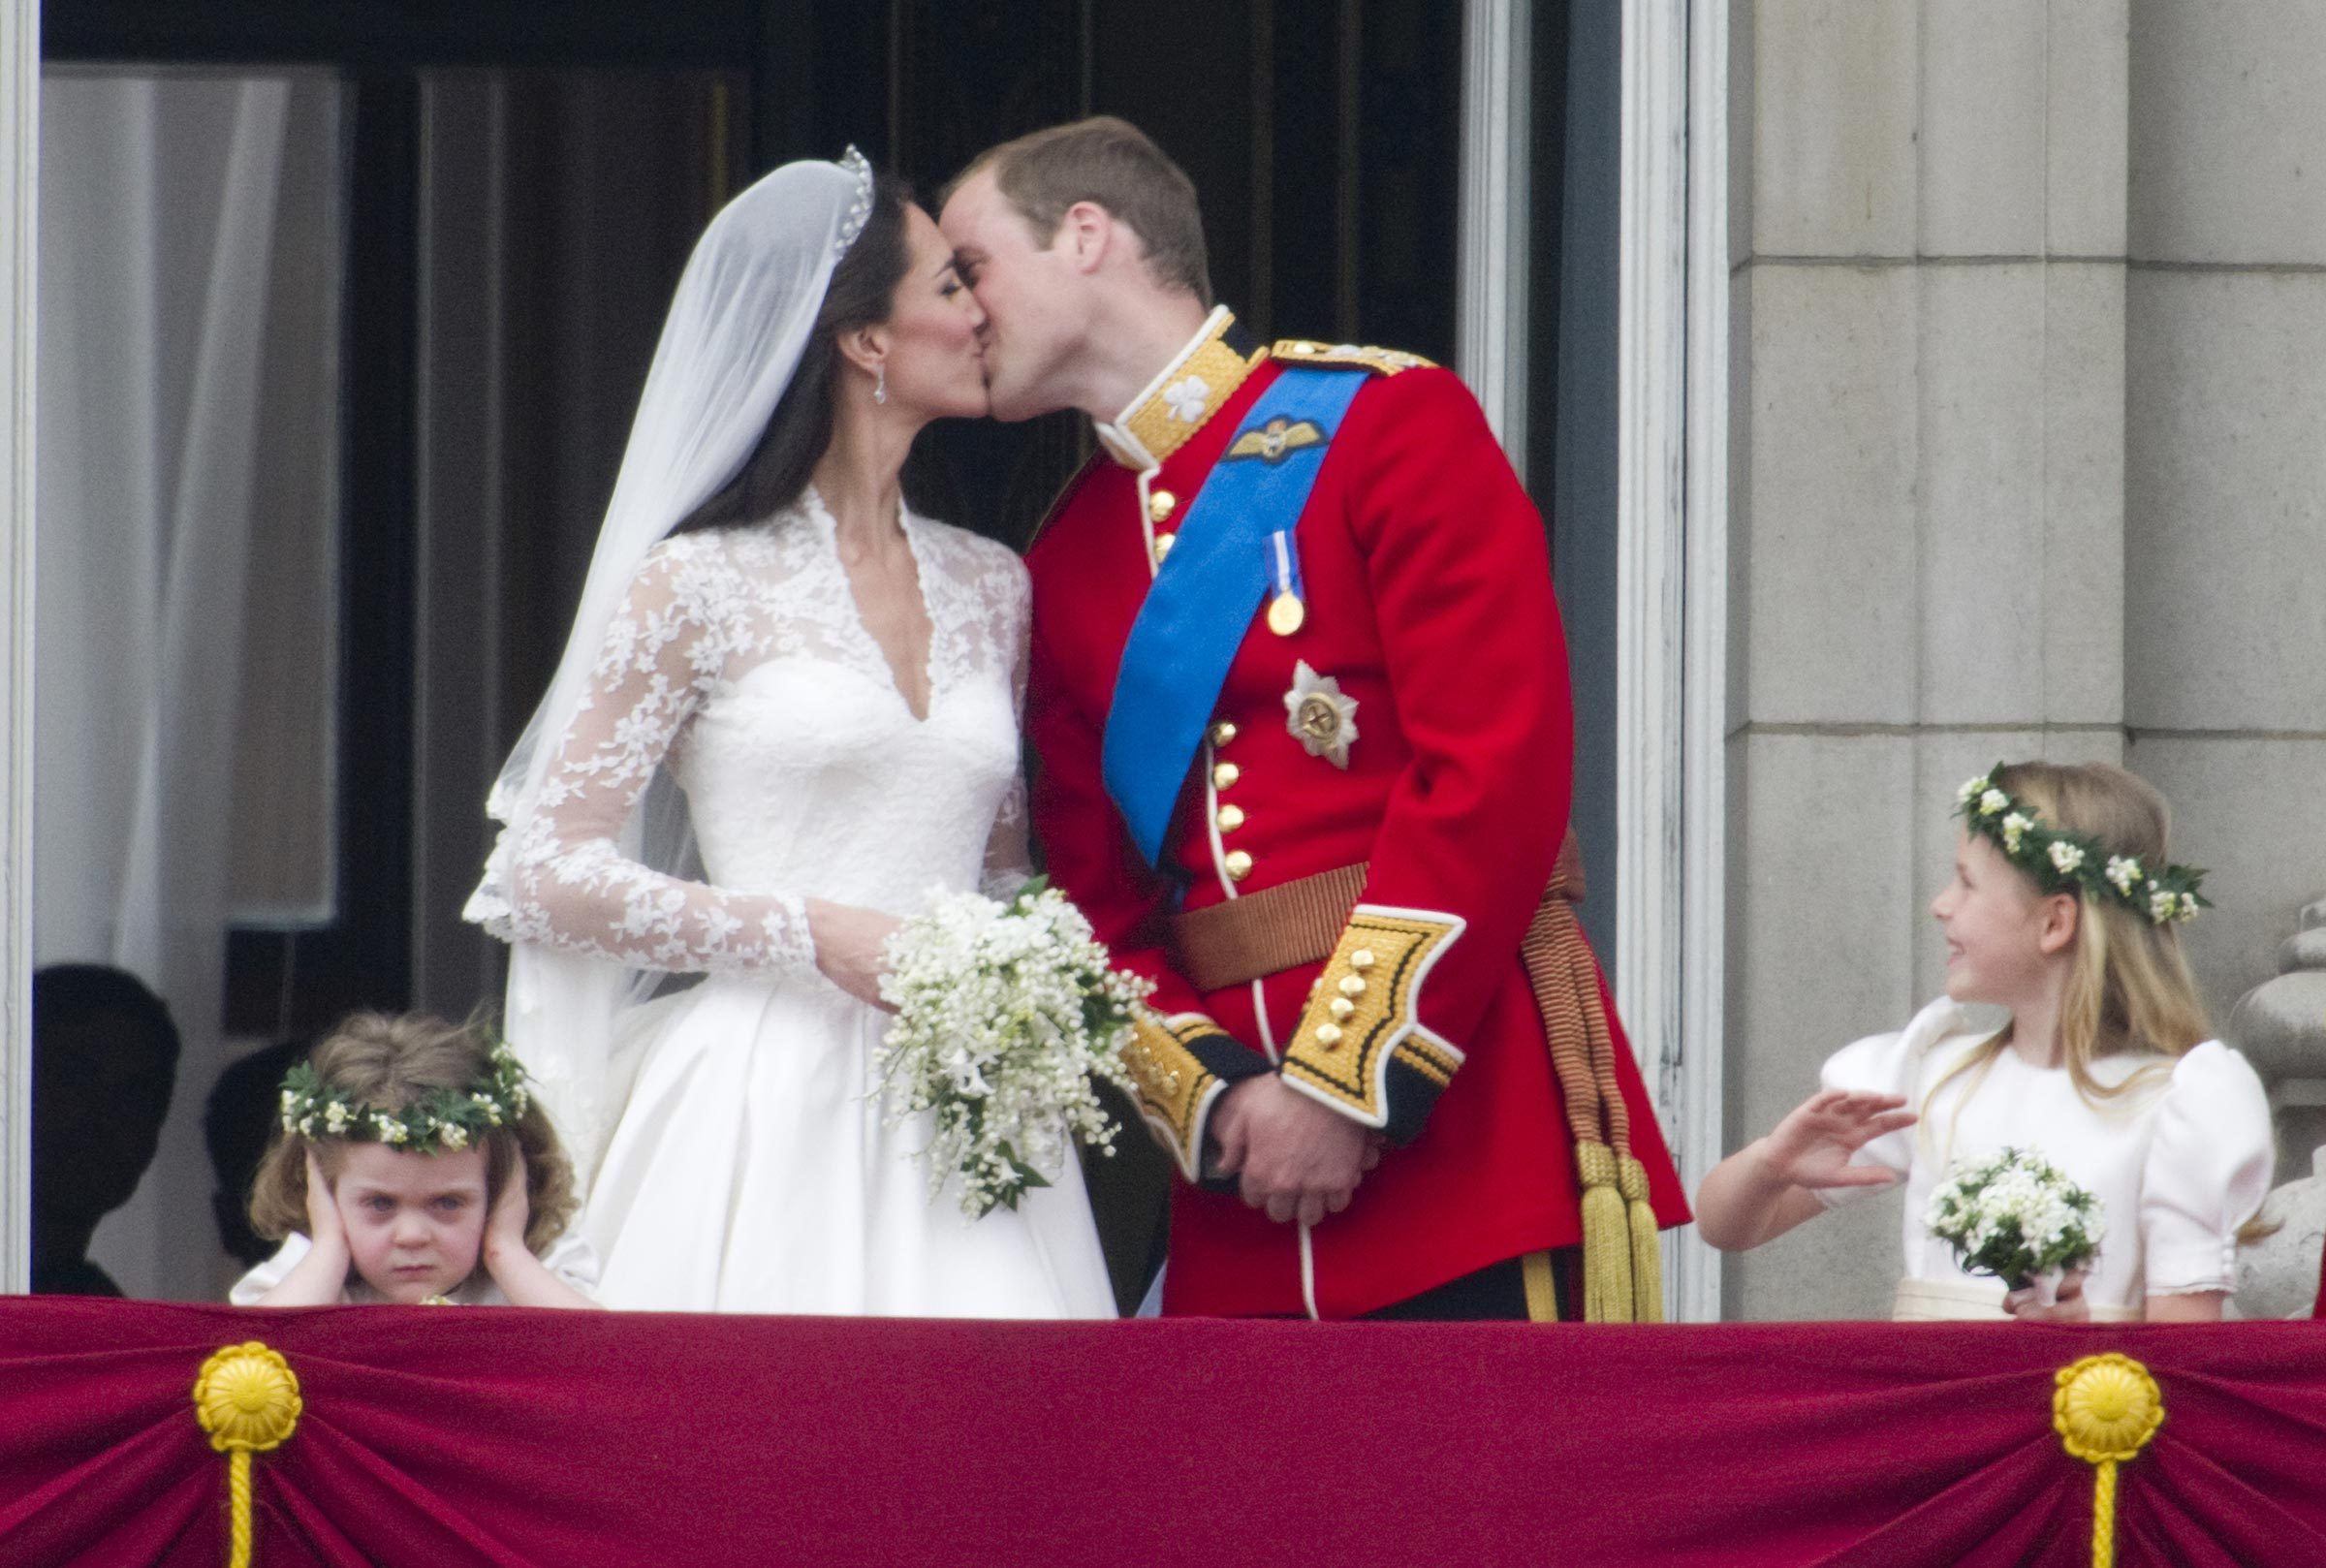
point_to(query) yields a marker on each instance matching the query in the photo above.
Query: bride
(787, 710)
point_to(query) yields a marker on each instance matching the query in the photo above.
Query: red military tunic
(1428, 602)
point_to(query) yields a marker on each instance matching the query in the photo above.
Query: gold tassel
(1607, 1290)
(1647, 1247)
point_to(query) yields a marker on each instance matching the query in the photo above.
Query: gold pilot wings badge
(1274, 442)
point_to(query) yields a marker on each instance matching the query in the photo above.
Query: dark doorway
(522, 186)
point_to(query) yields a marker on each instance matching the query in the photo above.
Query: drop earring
(880, 385)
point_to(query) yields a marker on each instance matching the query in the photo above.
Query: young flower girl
(2063, 910)
(420, 1172)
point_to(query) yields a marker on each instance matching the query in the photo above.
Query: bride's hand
(1812, 1145)
(848, 947)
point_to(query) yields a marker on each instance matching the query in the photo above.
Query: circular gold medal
(1286, 614)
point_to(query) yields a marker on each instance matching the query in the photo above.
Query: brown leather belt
(1295, 923)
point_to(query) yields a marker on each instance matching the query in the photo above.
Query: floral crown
(445, 1120)
(2063, 862)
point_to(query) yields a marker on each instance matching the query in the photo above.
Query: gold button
(1222, 733)
(1231, 818)
(1225, 775)
(1352, 986)
(1163, 544)
(1328, 1035)
(1341, 1006)
(1239, 865)
(1361, 959)
(1159, 505)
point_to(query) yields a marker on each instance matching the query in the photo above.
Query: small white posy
(1319, 717)
(1186, 398)
(2015, 1215)
(2065, 855)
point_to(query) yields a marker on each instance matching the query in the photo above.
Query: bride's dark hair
(861, 294)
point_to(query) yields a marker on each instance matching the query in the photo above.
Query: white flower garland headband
(445, 1122)
(2075, 863)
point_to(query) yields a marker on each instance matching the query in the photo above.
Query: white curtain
(162, 238)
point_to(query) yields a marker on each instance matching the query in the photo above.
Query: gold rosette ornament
(2105, 1409)
(248, 1400)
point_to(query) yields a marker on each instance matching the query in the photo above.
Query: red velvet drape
(449, 1436)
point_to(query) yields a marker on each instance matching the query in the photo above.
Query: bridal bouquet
(1004, 1014)
(2015, 1216)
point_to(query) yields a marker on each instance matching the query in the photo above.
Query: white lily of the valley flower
(1992, 801)
(1319, 716)
(2124, 870)
(2015, 826)
(1004, 1014)
(2065, 855)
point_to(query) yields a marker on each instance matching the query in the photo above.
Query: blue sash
(1200, 608)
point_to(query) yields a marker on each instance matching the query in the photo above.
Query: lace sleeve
(1009, 854)
(570, 885)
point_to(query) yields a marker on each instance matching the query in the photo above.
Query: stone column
(2225, 426)
(1929, 501)
(19, 210)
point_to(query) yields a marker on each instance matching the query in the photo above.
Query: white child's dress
(569, 1258)
(2179, 1161)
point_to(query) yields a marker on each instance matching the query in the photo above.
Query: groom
(1299, 699)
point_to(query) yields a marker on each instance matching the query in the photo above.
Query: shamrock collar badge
(1319, 717)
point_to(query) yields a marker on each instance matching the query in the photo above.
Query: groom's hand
(1298, 1159)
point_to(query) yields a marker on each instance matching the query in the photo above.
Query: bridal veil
(739, 323)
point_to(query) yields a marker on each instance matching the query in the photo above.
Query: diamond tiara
(859, 209)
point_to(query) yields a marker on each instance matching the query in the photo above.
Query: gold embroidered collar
(1191, 389)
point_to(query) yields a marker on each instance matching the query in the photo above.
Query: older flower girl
(2063, 910)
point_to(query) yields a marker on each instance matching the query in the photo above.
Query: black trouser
(1495, 1293)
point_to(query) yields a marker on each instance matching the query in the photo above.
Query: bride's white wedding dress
(750, 1167)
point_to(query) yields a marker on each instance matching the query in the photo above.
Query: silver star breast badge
(1319, 717)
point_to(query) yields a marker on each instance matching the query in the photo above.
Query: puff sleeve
(2209, 1167)
(1897, 1063)
(1879, 1064)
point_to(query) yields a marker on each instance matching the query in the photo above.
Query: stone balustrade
(2281, 1026)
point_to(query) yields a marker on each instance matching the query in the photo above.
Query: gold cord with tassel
(1622, 1254)
(2105, 1409)
(246, 1398)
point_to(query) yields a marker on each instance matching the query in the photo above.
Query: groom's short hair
(1115, 164)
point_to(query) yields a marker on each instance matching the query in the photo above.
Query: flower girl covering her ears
(420, 1171)
(2065, 911)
